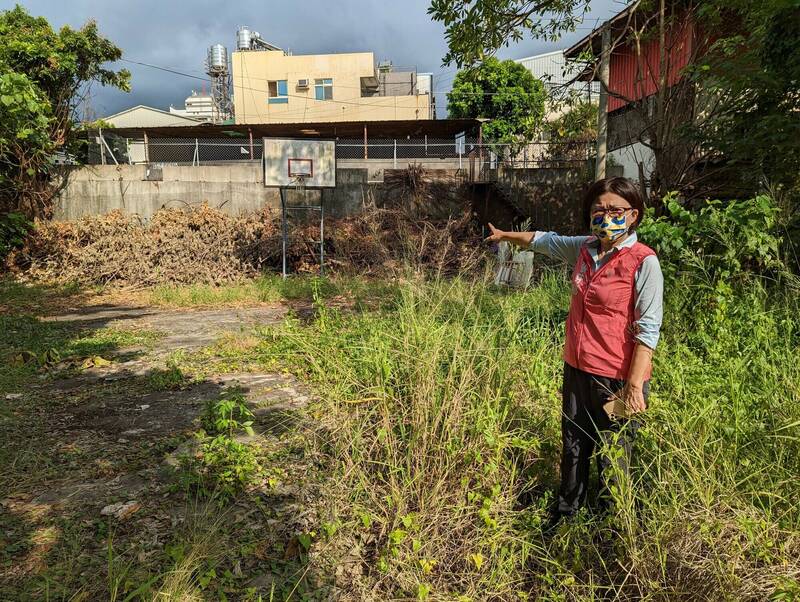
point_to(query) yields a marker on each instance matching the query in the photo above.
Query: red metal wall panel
(635, 75)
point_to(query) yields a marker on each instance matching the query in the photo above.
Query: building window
(278, 92)
(323, 89)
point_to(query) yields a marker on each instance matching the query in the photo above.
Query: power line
(306, 97)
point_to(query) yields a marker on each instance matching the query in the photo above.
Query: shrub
(221, 466)
(14, 227)
(227, 415)
(719, 242)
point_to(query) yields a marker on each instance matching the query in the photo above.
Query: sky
(176, 35)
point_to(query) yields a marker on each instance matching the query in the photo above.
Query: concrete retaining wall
(234, 188)
(99, 189)
(550, 196)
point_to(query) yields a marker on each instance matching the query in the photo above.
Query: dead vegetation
(205, 245)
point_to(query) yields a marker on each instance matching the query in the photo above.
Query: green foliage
(13, 229)
(227, 415)
(25, 120)
(43, 76)
(221, 467)
(572, 133)
(169, 379)
(751, 75)
(476, 29)
(718, 248)
(504, 92)
(720, 241)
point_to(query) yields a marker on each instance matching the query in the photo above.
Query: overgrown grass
(443, 413)
(29, 345)
(26, 297)
(270, 289)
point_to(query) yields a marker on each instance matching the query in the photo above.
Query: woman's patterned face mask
(609, 228)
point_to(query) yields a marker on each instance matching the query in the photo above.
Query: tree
(476, 29)
(753, 73)
(572, 133)
(43, 76)
(504, 92)
(736, 104)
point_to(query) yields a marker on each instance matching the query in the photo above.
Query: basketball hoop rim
(300, 180)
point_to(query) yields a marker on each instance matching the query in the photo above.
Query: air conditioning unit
(302, 83)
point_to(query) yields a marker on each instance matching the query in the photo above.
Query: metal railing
(457, 153)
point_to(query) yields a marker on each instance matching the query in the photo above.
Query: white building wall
(629, 158)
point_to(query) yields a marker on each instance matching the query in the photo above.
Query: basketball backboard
(287, 159)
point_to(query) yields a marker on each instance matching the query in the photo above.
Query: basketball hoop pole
(284, 231)
(300, 185)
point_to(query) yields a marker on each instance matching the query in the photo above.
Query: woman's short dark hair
(619, 186)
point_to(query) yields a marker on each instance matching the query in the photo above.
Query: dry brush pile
(205, 245)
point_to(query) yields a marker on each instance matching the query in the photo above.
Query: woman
(612, 329)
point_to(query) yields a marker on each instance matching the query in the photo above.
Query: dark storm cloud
(176, 35)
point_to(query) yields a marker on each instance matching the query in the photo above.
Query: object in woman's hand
(617, 408)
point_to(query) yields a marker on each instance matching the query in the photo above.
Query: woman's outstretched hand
(495, 235)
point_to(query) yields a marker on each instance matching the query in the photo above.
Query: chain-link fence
(397, 153)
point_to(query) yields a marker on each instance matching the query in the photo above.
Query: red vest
(600, 338)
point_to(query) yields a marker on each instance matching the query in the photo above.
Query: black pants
(585, 426)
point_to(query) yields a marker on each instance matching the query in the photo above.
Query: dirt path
(111, 434)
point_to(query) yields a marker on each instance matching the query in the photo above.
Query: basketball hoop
(300, 181)
(302, 164)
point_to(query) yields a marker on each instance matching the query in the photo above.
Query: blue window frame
(278, 92)
(323, 89)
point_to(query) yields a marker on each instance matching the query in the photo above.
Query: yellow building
(270, 86)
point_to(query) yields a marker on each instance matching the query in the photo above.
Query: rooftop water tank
(217, 57)
(243, 37)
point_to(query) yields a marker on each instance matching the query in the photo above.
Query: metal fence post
(395, 153)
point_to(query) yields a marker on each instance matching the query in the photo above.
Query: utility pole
(602, 117)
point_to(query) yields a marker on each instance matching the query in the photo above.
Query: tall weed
(443, 411)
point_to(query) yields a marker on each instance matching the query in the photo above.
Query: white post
(108, 148)
(196, 153)
(395, 153)
(602, 117)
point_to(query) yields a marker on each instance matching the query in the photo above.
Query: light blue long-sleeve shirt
(649, 281)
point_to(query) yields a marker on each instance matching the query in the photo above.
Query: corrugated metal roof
(556, 73)
(143, 116)
(343, 129)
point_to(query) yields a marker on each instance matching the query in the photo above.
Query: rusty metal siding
(633, 76)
